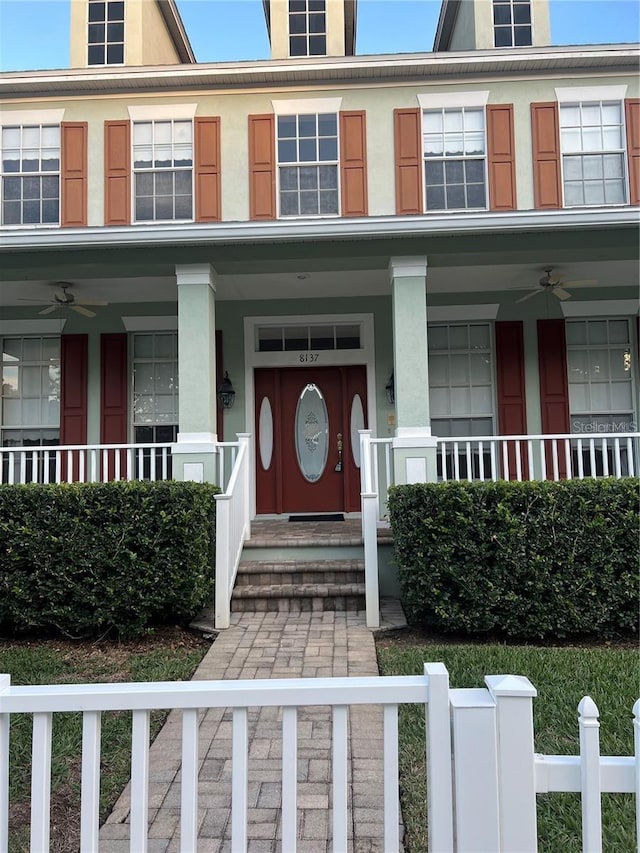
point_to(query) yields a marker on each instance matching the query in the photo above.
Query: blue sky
(35, 33)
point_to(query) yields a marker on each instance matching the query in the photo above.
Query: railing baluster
(590, 776)
(505, 461)
(140, 464)
(90, 795)
(556, 465)
(23, 468)
(34, 466)
(580, 461)
(165, 466)
(494, 461)
(289, 778)
(592, 457)
(530, 459)
(616, 457)
(94, 465)
(481, 459)
(69, 466)
(189, 781)
(239, 781)
(152, 467)
(390, 751)
(58, 466)
(631, 463)
(443, 450)
(104, 474)
(339, 778)
(469, 461)
(518, 461)
(567, 458)
(456, 462)
(605, 457)
(139, 781)
(41, 781)
(116, 464)
(131, 456)
(543, 459)
(81, 466)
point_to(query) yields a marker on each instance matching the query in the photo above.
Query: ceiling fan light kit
(559, 288)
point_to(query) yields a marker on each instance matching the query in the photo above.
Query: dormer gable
(300, 28)
(127, 32)
(484, 24)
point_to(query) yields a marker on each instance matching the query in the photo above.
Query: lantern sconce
(390, 390)
(226, 393)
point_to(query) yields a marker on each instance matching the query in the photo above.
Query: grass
(562, 677)
(166, 655)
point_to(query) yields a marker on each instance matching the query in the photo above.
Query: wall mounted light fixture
(226, 393)
(390, 390)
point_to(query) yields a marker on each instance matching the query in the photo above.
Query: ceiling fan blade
(529, 295)
(584, 282)
(561, 293)
(49, 310)
(84, 311)
(37, 301)
(90, 302)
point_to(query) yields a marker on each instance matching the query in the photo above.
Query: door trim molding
(330, 358)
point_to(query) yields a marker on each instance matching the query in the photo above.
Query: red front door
(306, 425)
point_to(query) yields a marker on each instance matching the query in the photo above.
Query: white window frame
(21, 124)
(616, 415)
(579, 103)
(307, 34)
(492, 354)
(21, 364)
(154, 120)
(317, 110)
(105, 44)
(512, 25)
(133, 361)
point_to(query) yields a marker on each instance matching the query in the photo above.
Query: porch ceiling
(308, 281)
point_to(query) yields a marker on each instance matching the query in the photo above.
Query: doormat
(335, 516)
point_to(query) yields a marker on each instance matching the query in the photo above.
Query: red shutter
(73, 174)
(207, 170)
(73, 389)
(408, 152)
(554, 388)
(117, 173)
(262, 167)
(113, 389)
(353, 163)
(501, 157)
(512, 413)
(632, 111)
(545, 138)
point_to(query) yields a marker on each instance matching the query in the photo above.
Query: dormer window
(307, 28)
(106, 32)
(512, 23)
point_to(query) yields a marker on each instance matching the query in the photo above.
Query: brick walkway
(270, 645)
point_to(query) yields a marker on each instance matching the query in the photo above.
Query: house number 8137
(307, 357)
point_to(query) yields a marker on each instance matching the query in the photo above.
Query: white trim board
(454, 313)
(11, 117)
(601, 308)
(301, 106)
(151, 324)
(566, 95)
(16, 328)
(151, 112)
(440, 100)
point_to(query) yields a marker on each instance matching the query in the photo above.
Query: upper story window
(106, 32)
(307, 28)
(31, 175)
(512, 23)
(454, 149)
(163, 170)
(307, 154)
(592, 141)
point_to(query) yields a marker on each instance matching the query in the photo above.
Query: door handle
(338, 467)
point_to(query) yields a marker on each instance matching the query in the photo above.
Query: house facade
(431, 245)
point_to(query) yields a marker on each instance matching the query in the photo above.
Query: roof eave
(171, 15)
(446, 22)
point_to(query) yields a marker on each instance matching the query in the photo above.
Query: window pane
(522, 36)
(115, 54)
(308, 152)
(522, 13)
(317, 45)
(287, 151)
(328, 149)
(502, 37)
(289, 178)
(307, 125)
(96, 54)
(327, 124)
(434, 173)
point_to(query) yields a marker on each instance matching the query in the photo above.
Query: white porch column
(414, 448)
(194, 452)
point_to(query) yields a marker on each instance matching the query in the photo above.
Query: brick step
(300, 572)
(294, 598)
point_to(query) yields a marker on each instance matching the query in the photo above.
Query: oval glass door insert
(357, 423)
(265, 427)
(312, 431)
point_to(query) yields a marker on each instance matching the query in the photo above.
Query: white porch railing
(482, 772)
(82, 463)
(233, 524)
(538, 457)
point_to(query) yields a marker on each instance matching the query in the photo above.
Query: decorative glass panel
(265, 432)
(357, 423)
(312, 433)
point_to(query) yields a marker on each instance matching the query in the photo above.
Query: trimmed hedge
(535, 560)
(85, 559)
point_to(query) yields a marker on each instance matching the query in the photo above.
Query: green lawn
(168, 655)
(562, 677)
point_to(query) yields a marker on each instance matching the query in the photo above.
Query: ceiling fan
(551, 284)
(63, 298)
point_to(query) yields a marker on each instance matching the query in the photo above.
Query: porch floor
(270, 645)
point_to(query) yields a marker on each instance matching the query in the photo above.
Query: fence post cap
(588, 709)
(5, 682)
(510, 685)
(636, 710)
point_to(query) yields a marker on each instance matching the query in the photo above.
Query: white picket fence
(482, 772)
